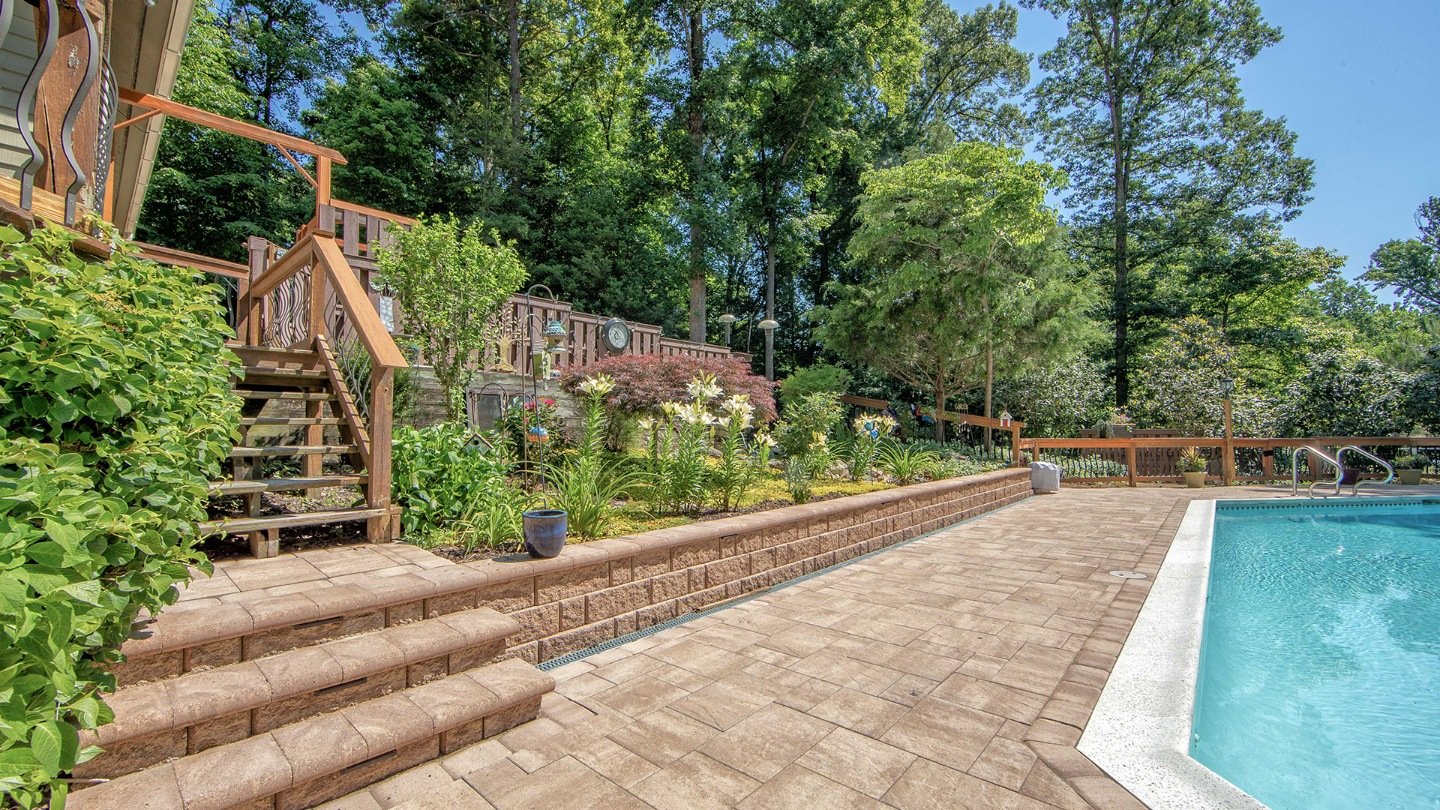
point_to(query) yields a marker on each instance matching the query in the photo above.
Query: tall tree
(210, 191)
(1142, 107)
(967, 272)
(285, 49)
(1411, 267)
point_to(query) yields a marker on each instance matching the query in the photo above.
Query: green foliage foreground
(115, 411)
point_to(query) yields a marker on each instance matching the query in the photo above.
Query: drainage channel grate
(610, 644)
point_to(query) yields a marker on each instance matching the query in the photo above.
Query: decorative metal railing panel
(285, 312)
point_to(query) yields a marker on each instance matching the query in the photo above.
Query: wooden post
(322, 181)
(1227, 462)
(1130, 463)
(377, 487)
(1267, 461)
(248, 329)
(1015, 456)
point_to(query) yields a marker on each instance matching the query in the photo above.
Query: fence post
(1130, 462)
(377, 490)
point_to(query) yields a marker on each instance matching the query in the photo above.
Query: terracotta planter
(545, 532)
(1194, 480)
(1409, 478)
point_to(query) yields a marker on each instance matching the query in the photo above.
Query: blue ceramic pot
(545, 532)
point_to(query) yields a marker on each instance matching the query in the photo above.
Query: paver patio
(956, 671)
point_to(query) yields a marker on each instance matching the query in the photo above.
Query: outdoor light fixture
(728, 320)
(555, 338)
(769, 324)
(1227, 386)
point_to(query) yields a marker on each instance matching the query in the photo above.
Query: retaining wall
(607, 588)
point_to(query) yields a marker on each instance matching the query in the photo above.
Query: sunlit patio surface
(955, 671)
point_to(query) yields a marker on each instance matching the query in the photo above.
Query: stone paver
(953, 672)
(247, 580)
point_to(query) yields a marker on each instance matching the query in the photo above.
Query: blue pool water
(1319, 677)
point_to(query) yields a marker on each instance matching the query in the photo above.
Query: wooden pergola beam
(220, 123)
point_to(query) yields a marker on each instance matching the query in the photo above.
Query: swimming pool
(1319, 672)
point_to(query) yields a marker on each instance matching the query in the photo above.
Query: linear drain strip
(610, 644)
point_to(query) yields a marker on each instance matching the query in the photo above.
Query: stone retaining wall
(608, 588)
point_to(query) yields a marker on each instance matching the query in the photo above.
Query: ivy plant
(115, 411)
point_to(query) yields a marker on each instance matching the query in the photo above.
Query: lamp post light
(768, 326)
(1227, 463)
(729, 321)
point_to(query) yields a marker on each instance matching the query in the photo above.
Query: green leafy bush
(823, 378)
(115, 411)
(445, 477)
(808, 416)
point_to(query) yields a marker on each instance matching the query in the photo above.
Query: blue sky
(1357, 81)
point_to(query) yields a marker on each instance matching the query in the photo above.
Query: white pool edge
(1140, 730)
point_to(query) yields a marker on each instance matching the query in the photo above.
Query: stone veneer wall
(607, 588)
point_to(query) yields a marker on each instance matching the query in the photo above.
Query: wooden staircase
(277, 385)
(290, 701)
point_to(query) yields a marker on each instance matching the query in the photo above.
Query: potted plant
(545, 532)
(1409, 467)
(1192, 466)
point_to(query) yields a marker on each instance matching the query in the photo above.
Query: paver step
(179, 641)
(309, 762)
(289, 521)
(282, 484)
(280, 450)
(158, 720)
(303, 396)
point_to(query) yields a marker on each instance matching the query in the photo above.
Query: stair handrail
(1389, 470)
(1295, 470)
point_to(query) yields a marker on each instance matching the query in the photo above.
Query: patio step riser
(187, 641)
(142, 752)
(305, 763)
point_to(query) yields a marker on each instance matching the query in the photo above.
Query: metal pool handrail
(1338, 463)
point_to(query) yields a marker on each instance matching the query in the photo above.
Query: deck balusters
(47, 10)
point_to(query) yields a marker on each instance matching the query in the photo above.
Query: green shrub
(823, 378)
(906, 463)
(445, 476)
(115, 411)
(808, 420)
(588, 485)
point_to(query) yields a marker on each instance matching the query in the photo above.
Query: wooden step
(158, 720)
(306, 763)
(292, 521)
(290, 421)
(281, 450)
(180, 641)
(301, 378)
(283, 484)
(303, 396)
(261, 355)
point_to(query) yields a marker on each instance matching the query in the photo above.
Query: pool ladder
(1338, 462)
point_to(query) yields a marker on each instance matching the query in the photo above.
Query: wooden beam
(220, 123)
(180, 258)
(363, 317)
(136, 119)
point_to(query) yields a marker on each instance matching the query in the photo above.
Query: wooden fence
(1151, 459)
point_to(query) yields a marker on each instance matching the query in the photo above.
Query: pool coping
(1140, 730)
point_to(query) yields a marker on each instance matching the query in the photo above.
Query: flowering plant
(740, 466)
(869, 430)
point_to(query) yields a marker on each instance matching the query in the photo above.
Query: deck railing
(1151, 459)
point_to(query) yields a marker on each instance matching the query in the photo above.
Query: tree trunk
(695, 123)
(772, 233)
(989, 389)
(939, 408)
(512, 27)
(1121, 291)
